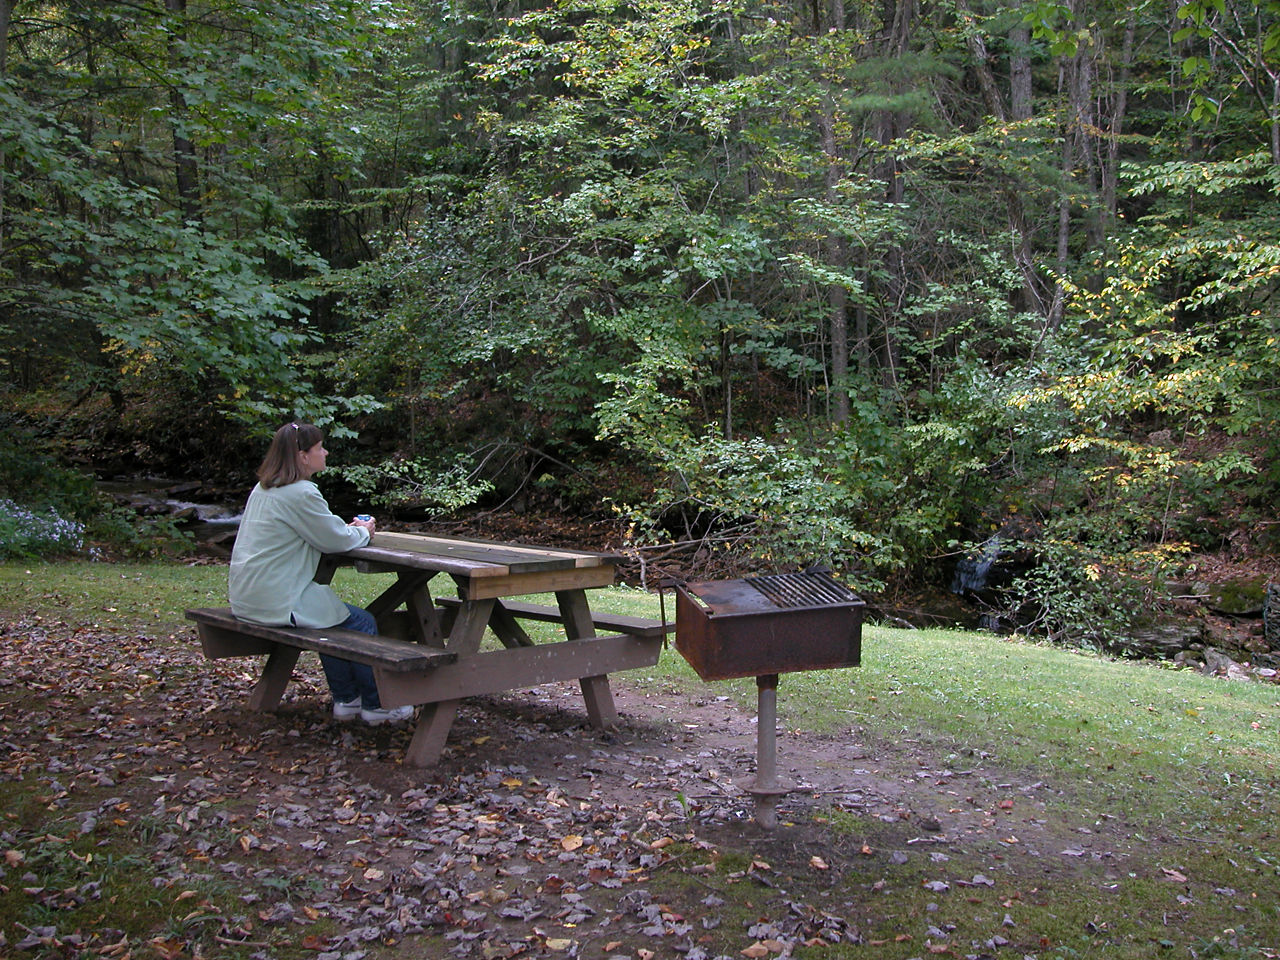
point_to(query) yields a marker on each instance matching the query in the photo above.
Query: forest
(877, 285)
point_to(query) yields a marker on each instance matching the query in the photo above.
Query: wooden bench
(617, 623)
(222, 635)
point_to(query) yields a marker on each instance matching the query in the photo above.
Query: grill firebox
(773, 624)
(761, 627)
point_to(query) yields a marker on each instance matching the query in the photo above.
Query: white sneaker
(346, 711)
(387, 715)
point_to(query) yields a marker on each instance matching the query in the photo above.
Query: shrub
(25, 532)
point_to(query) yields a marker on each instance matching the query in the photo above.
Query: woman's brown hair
(280, 467)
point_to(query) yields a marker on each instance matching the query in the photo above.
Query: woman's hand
(364, 520)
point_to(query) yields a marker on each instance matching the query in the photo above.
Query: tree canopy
(852, 282)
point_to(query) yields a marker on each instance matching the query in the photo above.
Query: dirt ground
(535, 835)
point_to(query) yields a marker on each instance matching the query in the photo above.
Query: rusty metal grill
(761, 627)
(801, 590)
(771, 624)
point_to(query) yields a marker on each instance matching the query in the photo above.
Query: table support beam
(275, 677)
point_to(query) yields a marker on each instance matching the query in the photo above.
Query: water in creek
(210, 515)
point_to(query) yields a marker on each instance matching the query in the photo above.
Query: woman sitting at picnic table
(287, 526)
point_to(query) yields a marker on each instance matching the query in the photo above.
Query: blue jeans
(349, 680)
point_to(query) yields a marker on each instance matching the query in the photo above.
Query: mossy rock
(1239, 598)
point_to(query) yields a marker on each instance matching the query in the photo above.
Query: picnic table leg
(576, 614)
(435, 719)
(429, 737)
(275, 677)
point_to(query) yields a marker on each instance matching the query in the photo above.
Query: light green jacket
(282, 535)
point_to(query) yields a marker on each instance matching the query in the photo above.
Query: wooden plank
(613, 622)
(387, 560)
(514, 668)
(547, 581)
(514, 559)
(219, 629)
(415, 541)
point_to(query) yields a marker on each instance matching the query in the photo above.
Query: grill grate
(801, 589)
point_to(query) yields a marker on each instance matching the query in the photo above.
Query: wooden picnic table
(484, 576)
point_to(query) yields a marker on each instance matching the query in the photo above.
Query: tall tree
(142, 266)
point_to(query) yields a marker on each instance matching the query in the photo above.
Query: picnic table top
(473, 558)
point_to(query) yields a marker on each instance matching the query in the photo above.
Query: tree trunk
(892, 126)
(837, 253)
(977, 44)
(186, 171)
(1119, 104)
(837, 256)
(1020, 72)
(6, 17)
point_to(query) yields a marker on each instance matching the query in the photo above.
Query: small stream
(209, 514)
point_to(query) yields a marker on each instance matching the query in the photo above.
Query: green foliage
(750, 498)
(870, 499)
(437, 486)
(1081, 595)
(213, 289)
(637, 237)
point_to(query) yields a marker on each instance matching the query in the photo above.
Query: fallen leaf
(570, 843)
(755, 951)
(1175, 875)
(818, 863)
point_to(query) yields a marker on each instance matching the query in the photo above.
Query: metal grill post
(766, 788)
